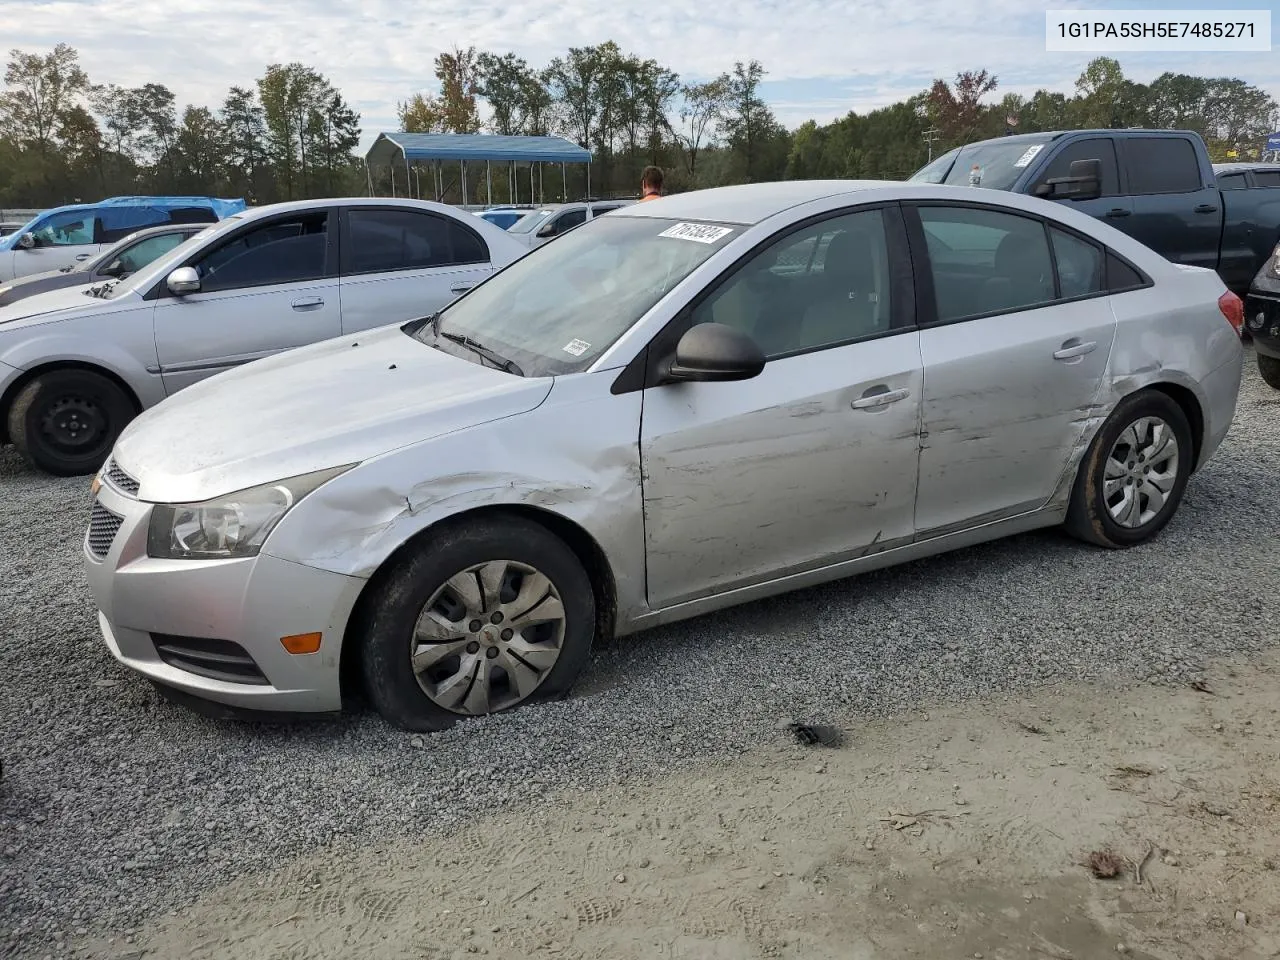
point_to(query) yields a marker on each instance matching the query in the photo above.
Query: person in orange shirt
(651, 184)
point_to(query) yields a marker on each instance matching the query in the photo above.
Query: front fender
(588, 475)
(127, 358)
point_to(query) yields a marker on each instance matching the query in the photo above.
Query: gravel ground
(116, 805)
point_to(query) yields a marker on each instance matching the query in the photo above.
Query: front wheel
(480, 619)
(1269, 367)
(65, 422)
(1134, 474)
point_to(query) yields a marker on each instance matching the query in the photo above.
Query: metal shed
(411, 150)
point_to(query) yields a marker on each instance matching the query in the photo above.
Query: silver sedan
(685, 405)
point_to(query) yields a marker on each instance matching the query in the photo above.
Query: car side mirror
(548, 230)
(27, 241)
(182, 281)
(1084, 182)
(713, 352)
(114, 269)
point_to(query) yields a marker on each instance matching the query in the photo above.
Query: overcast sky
(823, 57)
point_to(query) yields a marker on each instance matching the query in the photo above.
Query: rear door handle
(1118, 212)
(1073, 349)
(461, 287)
(871, 400)
(84, 256)
(1206, 208)
(308, 303)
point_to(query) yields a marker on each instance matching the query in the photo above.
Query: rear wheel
(481, 619)
(1269, 367)
(65, 422)
(1134, 474)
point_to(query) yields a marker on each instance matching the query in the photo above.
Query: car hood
(56, 305)
(332, 403)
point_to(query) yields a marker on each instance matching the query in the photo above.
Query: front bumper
(148, 608)
(1262, 320)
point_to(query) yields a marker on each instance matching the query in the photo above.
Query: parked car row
(68, 235)
(499, 455)
(76, 364)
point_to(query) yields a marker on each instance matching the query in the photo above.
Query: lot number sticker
(697, 232)
(1029, 155)
(576, 347)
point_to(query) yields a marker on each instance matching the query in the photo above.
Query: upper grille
(121, 480)
(103, 527)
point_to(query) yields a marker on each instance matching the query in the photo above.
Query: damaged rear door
(813, 461)
(1016, 337)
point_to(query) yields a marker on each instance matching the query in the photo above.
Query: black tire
(65, 422)
(1088, 516)
(1269, 367)
(391, 612)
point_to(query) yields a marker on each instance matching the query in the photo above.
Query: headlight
(1275, 261)
(232, 526)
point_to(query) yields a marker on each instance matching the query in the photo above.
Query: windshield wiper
(495, 358)
(103, 289)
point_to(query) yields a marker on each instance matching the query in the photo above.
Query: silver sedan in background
(682, 406)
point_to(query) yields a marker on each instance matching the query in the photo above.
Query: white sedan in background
(681, 406)
(76, 365)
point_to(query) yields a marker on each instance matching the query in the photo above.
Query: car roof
(169, 228)
(1243, 166)
(748, 203)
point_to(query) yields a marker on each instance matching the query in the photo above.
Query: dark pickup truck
(1158, 186)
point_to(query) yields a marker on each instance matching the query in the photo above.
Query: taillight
(1232, 308)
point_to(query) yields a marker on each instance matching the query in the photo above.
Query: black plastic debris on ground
(816, 735)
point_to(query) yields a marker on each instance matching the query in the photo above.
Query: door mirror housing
(546, 230)
(114, 269)
(27, 241)
(713, 352)
(1083, 183)
(182, 281)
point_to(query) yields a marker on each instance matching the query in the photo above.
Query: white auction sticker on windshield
(576, 347)
(1029, 155)
(697, 232)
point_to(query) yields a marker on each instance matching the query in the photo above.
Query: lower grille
(213, 659)
(103, 527)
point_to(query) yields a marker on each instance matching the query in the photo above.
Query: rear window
(1267, 178)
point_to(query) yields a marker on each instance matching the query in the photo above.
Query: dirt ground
(960, 832)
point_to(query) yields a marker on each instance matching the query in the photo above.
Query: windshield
(557, 309)
(936, 171)
(993, 164)
(531, 221)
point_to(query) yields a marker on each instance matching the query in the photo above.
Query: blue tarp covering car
(65, 235)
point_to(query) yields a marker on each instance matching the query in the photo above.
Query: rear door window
(1267, 178)
(381, 241)
(1158, 165)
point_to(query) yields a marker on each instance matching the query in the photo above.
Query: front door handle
(871, 400)
(1206, 208)
(1118, 212)
(1073, 349)
(308, 303)
(461, 287)
(84, 256)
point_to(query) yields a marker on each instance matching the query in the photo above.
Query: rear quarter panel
(1174, 333)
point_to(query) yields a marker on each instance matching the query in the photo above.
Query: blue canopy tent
(393, 150)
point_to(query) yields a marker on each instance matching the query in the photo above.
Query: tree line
(290, 134)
